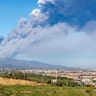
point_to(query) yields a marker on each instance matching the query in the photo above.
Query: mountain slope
(23, 64)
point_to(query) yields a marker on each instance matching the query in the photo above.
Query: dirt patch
(6, 81)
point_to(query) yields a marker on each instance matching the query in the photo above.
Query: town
(85, 77)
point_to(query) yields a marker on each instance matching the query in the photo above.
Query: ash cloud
(57, 30)
(70, 11)
(1, 38)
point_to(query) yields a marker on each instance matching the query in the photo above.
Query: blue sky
(11, 11)
(52, 31)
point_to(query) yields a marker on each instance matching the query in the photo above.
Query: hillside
(22, 64)
(17, 87)
(6, 81)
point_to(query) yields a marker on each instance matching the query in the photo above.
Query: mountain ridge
(23, 64)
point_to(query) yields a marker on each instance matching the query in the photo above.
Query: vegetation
(40, 79)
(25, 90)
(67, 87)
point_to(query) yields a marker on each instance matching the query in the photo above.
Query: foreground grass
(44, 90)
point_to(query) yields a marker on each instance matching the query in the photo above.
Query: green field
(25, 90)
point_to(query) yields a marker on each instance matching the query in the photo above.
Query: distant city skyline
(53, 31)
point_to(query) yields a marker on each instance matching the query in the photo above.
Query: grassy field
(9, 81)
(45, 90)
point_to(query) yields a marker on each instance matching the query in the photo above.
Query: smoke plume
(59, 28)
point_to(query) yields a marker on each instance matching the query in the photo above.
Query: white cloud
(36, 37)
(44, 1)
(22, 22)
(38, 17)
